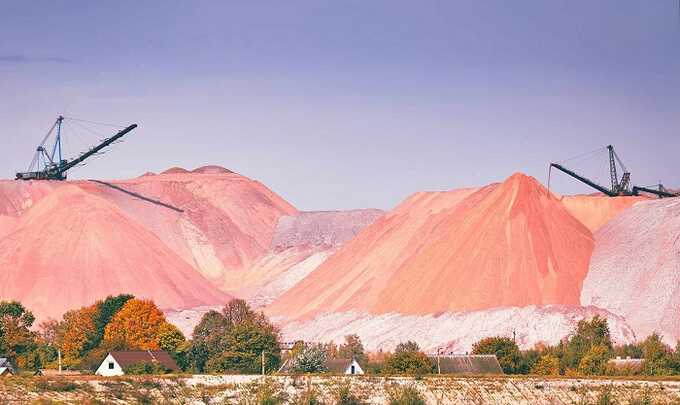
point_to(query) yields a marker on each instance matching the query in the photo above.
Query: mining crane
(53, 167)
(618, 187)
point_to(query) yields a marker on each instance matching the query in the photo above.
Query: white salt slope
(454, 331)
(635, 268)
(300, 244)
(322, 228)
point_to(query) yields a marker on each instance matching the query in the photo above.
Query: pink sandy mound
(509, 244)
(634, 271)
(219, 222)
(596, 210)
(72, 248)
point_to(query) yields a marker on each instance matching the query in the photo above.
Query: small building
(6, 367)
(626, 365)
(467, 364)
(51, 372)
(115, 363)
(344, 366)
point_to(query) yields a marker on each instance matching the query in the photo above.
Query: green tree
(16, 338)
(352, 348)
(658, 356)
(311, 359)
(588, 334)
(106, 310)
(409, 359)
(594, 361)
(234, 340)
(504, 348)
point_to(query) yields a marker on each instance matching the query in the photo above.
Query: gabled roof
(5, 363)
(128, 358)
(468, 364)
(337, 365)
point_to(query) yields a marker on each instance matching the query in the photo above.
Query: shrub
(505, 349)
(307, 397)
(262, 393)
(547, 365)
(644, 397)
(605, 397)
(56, 386)
(345, 396)
(311, 359)
(145, 367)
(405, 396)
(408, 358)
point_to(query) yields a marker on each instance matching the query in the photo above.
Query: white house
(5, 366)
(344, 366)
(115, 362)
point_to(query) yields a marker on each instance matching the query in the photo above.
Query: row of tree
(586, 351)
(240, 340)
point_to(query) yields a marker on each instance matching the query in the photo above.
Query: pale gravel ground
(440, 390)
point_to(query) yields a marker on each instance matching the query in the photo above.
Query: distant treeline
(239, 340)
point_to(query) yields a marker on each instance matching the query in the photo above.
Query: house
(335, 366)
(344, 366)
(116, 362)
(6, 366)
(626, 365)
(467, 364)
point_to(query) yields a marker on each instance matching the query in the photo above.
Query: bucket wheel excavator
(48, 164)
(619, 187)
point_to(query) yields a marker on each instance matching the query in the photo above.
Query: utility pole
(439, 369)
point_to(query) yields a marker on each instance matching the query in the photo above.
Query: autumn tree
(16, 338)
(547, 364)
(594, 361)
(135, 326)
(409, 359)
(505, 349)
(75, 333)
(106, 310)
(352, 348)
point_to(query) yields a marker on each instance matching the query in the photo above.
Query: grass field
(234, 389)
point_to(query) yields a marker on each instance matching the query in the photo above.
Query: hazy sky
(347, 104)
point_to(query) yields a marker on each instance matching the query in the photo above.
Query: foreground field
(234, 389)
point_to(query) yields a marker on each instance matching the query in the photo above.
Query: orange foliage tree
(137, 325)
(76, 331)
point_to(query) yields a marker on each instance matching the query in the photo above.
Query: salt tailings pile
(635, 268)
(508, 244)
(454, 332)
(72, 248)
(596, 210)
(183, 238)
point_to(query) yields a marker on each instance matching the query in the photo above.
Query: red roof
(128, 358)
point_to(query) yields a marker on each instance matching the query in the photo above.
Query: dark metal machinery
(618, 187)
(53, 166)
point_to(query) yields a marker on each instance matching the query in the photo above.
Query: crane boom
(583, 179)
(659, 193)
(105, 143)
(56, 170)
